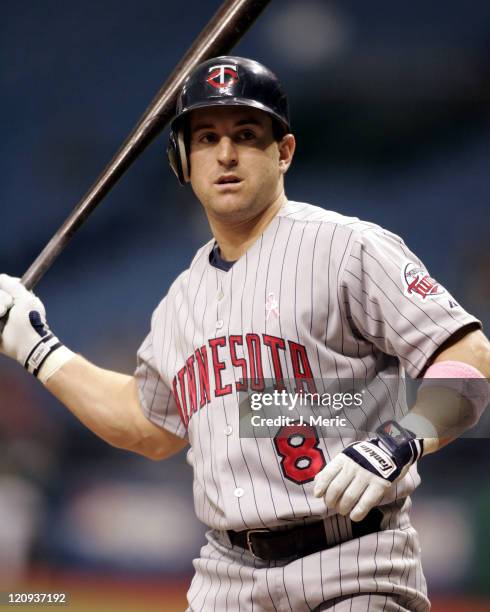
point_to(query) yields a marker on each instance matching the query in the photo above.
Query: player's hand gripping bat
(221, 34)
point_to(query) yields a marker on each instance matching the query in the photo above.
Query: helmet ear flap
(177, 156)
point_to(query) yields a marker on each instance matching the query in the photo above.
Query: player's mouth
(228, 181)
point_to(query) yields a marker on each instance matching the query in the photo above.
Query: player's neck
(235, 238)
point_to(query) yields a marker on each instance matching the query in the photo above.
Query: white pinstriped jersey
(349, 301)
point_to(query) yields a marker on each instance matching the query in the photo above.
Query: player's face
(237, 166)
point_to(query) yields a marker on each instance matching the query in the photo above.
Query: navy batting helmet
(225, 81)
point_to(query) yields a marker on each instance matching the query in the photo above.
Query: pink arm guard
(463, 378)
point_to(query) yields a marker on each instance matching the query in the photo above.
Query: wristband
(41, 351)
(47, 357)
(54, 362)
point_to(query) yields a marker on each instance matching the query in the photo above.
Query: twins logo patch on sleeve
(417, 282)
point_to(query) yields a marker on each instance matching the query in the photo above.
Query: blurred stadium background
(390, 105)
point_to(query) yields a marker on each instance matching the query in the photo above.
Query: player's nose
(226, 152)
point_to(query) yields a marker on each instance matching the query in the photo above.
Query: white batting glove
(26, 336)
(356, 479)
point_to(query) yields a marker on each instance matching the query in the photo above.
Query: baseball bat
(223, 31)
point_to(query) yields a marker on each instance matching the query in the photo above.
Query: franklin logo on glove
(376, 457)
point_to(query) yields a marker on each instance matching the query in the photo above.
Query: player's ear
(287, 146)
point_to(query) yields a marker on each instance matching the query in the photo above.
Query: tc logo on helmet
(223, 77)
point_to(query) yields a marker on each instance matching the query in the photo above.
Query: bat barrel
(224, 30)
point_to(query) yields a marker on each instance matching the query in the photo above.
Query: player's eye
(244, 135)
(208, 138)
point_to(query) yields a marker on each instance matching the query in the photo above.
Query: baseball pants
(378, 572)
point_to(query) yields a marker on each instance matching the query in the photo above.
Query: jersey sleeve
(391, 300)
(156, 398)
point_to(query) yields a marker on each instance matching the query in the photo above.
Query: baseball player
(290, 293)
